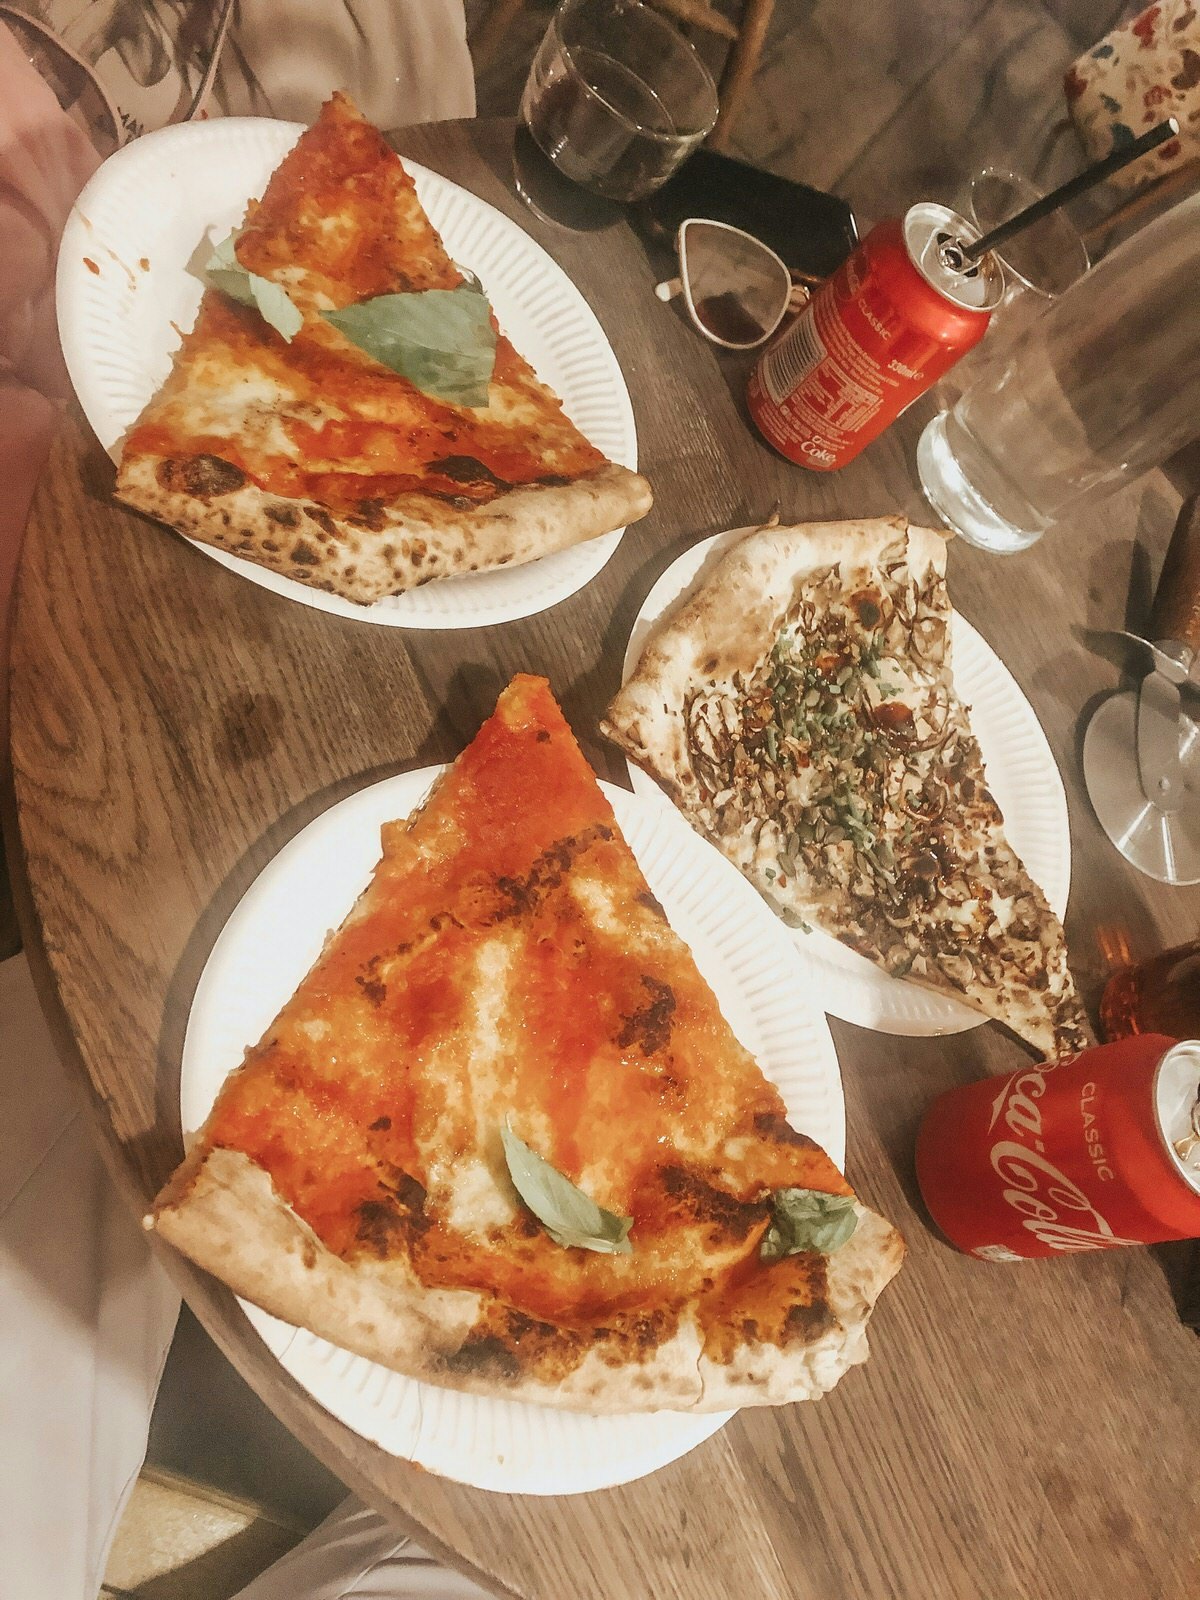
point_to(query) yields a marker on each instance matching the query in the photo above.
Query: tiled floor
(180, 1540)
(879, 102)
(226, 1489)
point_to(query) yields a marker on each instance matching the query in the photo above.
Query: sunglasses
(736, 289)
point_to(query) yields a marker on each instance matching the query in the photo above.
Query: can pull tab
(1188, 1148)
(1177, 1097)
(952, 253)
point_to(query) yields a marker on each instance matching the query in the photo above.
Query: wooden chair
(1142, 206)
(745, 38)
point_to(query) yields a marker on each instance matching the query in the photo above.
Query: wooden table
(1020, 1433)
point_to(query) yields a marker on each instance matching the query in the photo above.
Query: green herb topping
(224, 271)
(807, 1219)
(441, 340)
(566, 1213)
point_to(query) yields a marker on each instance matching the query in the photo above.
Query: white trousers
(86, 1318)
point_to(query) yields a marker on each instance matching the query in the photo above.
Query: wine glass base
(554, 198)
(958, 503)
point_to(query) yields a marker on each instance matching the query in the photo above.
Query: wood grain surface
(1021, 1431)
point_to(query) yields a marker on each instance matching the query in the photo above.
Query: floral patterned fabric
(1139, 75)
(138, 63)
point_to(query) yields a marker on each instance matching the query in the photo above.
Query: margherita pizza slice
(502, 1138)
(312, 457)
(800, 709)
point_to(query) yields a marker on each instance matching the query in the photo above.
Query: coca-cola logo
(1017, 1101)
(1051, 1206)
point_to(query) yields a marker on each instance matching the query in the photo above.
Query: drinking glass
(1102, 387)
(616, 97)
(1038, 266)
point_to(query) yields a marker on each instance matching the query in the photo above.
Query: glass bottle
(1161, 995)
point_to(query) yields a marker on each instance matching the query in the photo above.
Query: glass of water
(1103, 386)
(616, 97)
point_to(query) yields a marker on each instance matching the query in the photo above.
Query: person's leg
(358, 1555)
(86, 1316)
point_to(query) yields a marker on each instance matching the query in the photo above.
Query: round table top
(1018, 1430)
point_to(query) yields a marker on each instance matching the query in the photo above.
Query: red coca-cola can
(884, 328)
(1099, 1151)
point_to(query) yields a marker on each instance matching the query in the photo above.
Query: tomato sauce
(368, 1082)
(343, 211)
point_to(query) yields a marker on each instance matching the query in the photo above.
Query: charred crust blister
(322, 519)
(370, 514)
(807, 1323)
(379, 1224)
(770, 1125)
(649, 1027)
(488, 1357)
(386, 1223)
(466, 470)
(651, 902)
(697, 1200)
(202, 477)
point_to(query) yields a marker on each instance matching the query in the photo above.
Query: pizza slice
(502, 1138)
(800, 710)
(304, 452)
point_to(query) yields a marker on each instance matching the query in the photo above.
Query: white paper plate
(271, 941)
(161, 197)
(1022, 774)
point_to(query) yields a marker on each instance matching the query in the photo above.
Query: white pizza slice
(800, 709)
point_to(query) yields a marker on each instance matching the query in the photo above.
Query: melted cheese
(317, 418)
(509, 962)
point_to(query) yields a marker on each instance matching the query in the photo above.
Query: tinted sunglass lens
(738, 288)
(727, 317)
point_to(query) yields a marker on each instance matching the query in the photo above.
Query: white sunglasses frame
(672, 287)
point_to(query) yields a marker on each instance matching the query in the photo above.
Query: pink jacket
(404, 61)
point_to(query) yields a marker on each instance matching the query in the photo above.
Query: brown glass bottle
(1161, 995)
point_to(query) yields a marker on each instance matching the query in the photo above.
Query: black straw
(1077, 185)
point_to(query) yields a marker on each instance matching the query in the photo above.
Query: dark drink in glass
(616, 98)
(623, 155)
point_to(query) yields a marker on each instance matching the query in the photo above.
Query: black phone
(812, 232)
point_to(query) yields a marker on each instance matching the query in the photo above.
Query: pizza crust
(719, 631)
(222, 1210)
(407, 543)
(764, 1374)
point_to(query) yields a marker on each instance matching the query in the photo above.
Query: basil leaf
(566, 1213)
(225, 272)
(441, 340)
(807, 1219)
